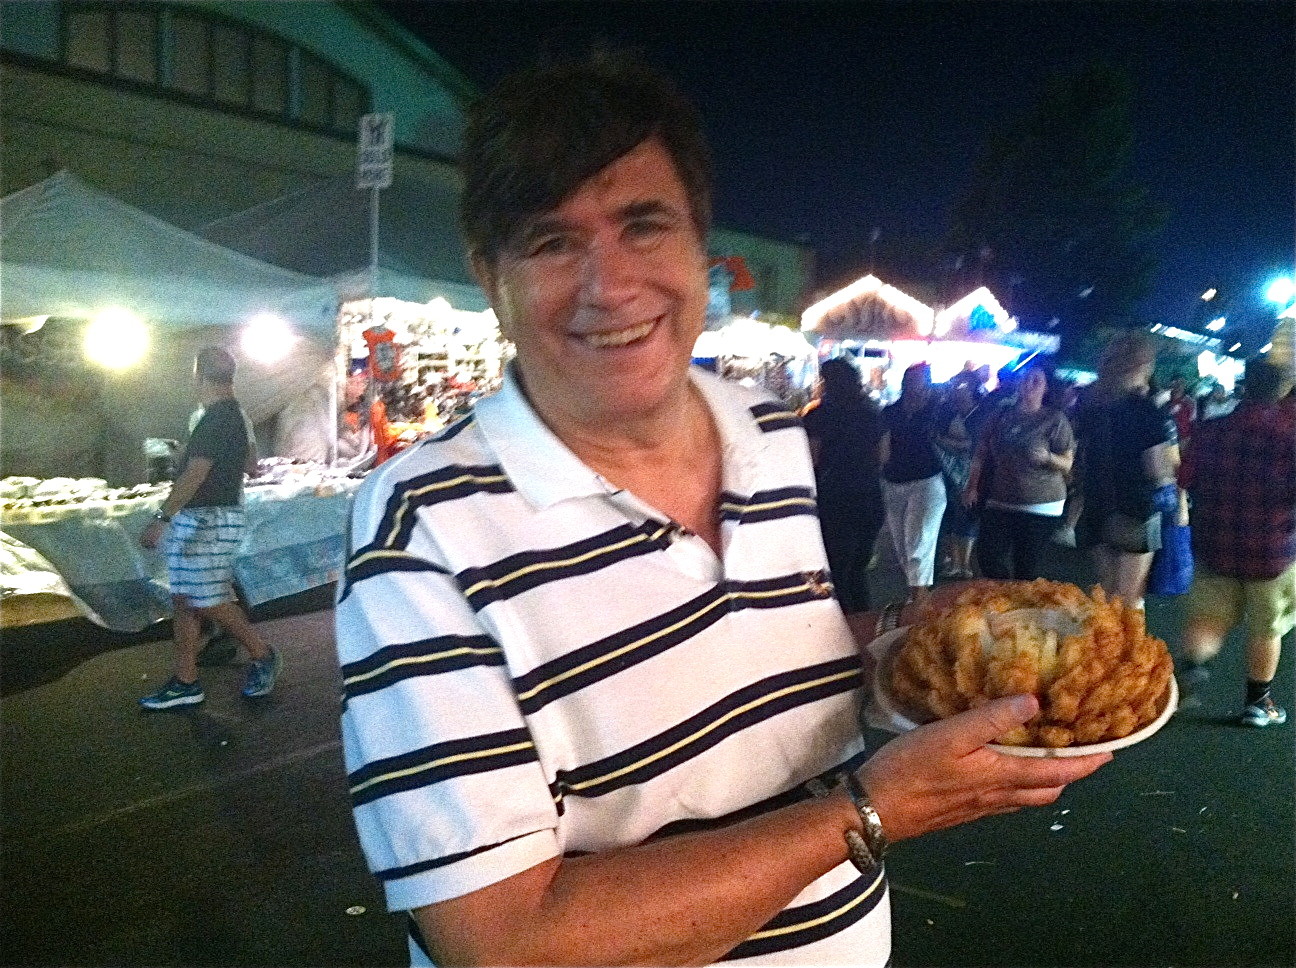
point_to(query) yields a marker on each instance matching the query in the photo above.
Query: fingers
(972, 730)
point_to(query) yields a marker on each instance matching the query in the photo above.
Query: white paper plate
(884, 648)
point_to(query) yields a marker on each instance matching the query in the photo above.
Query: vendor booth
(104, 307)
(417, 303)
(755, 353)
(84, 272)
(885, 330)
(426, 363)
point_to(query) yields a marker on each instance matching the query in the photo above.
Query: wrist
(866, 840)
(161, 517)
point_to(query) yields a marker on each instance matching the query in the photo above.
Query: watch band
(867, 849)
(159, 516)
(888, 618)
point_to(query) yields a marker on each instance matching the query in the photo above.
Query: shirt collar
(545, 471)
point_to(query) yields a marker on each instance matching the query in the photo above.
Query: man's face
(605, 295)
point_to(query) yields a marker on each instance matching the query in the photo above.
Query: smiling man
(600, 704)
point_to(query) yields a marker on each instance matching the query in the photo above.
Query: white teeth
(617, 337)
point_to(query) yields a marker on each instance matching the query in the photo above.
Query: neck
(213, 394)
(673, 436)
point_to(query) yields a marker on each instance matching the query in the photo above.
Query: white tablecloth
(294, 542)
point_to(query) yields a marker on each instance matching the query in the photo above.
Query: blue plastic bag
(1172, 566)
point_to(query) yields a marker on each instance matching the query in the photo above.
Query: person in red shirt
(1183, 408)
(1241, 473)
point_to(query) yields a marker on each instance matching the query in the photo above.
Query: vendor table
(294, 542)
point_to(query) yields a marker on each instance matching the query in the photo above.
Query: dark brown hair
(543, 132)
(215, 365)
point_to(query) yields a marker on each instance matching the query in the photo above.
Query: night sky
(831, 119)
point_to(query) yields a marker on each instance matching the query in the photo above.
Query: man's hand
(152, 534)
(941, 774)
(970, 496)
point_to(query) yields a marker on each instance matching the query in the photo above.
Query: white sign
(374, 151)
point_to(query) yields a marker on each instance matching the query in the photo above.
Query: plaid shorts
(200, 549)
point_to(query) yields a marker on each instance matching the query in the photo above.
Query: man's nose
(610, 273)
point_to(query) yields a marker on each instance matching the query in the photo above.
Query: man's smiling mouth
(618, 337)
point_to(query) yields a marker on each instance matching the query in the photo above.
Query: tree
(1050, 220)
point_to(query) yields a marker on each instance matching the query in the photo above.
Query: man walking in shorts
(1241, 473)
(202, 519)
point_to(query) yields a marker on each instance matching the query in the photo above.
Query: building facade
(196, 110)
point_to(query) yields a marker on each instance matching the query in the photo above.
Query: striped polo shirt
(536, 663)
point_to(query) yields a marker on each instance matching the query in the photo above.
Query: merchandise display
(428, 362)
(76, 541)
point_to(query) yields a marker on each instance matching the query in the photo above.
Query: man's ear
(484, 273)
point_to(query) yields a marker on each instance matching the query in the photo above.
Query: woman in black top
(844, 430)
(912, 489)
(1128, 451)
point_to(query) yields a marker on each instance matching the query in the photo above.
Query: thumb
(971, 730)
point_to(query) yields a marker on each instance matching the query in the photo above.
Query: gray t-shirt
(1017, 480)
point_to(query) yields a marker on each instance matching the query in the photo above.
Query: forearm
(1057, 462)
(687, 899)
(184, 488)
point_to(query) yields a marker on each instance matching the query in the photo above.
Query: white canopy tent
(68, 251)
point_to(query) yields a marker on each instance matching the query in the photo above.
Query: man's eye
(647, 228)
(549, 245)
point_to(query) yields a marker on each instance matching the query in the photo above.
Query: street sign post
(375, 144)
(374, 151)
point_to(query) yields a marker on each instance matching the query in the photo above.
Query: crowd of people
(1111, 467)
(964, 480)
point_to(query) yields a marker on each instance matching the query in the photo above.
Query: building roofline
(438, 67)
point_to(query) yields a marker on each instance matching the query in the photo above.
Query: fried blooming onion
(1096, 671)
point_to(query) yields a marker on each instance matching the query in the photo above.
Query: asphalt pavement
(221, 834)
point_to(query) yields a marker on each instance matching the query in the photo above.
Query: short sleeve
(221, 435)
(446, 786)
(205, 439)
(1158, 426)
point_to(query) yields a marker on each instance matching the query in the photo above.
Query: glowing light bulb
(116, 339)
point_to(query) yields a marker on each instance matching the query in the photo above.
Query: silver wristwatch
(867, 848)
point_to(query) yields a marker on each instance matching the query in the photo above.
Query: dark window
(210, 58)
(269, 75)
(192, 67)
(230, 74)
(350, 103)
(88, 40)
(137, 46)
(316, 93)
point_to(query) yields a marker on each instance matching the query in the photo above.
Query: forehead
(644, 173)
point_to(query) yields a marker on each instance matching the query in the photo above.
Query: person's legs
(1034, 534)
(1203, 637)
(961, 554)
(232, 617)
(1130, 578)
(923, 511)
(186, 630)
(994, 547)
(1104, 565)
(849, 528)
(893, 502)
(1262, 654)
(1213, 606)
(1270, 614)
